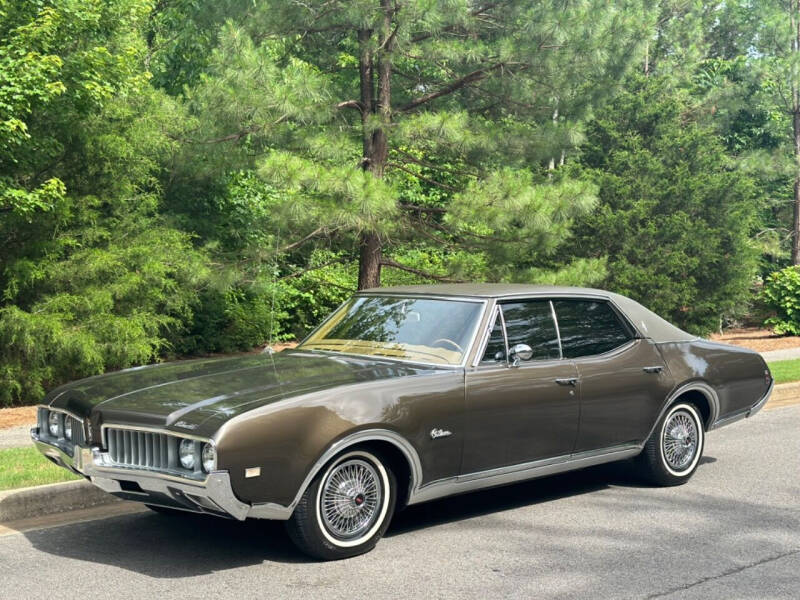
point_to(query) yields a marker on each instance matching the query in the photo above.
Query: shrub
(782, 294)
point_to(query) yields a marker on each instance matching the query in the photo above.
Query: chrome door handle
(573, 381)
(656, 369)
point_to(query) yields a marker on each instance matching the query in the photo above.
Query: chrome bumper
(213, 495)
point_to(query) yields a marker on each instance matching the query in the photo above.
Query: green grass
(23, 467)
(785, 371)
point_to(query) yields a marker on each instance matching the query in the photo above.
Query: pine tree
(339, 103)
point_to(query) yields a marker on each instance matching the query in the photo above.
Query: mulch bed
(760, 340)
(15, 417)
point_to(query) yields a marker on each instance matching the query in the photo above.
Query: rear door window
(589, 327)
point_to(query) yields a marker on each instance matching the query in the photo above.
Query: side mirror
(520, 352)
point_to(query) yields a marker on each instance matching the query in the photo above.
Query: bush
(782, 294)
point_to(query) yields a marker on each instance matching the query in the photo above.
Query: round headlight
(52, 423)
(68, 428)
(209, 457)
(186, 453)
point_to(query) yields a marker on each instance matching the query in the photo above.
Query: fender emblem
(440, 433)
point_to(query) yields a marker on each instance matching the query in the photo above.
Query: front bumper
(212, 495)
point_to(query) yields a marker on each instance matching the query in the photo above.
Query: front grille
(142, 449)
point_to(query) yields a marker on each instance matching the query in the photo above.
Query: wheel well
(700, 400)
(397, 462)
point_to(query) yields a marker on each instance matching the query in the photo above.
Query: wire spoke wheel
(680, 440)
(351, 497)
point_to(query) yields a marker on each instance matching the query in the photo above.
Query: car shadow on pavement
(528, 493)
(174, 546)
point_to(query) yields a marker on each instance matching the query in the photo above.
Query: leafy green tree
(91, 278)
(675, 217)
(337, 104)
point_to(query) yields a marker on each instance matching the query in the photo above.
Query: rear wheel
(671, 455)
(346, 508)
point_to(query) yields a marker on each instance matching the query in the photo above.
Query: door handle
(655, 369)
(573, 381)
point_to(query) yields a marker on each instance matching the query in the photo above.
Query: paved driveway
(732, 532)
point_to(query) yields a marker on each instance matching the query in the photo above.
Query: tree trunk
(369, 263)
(795, 12)
(376, 149)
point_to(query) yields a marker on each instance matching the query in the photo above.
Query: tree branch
(387, 262)
(314, 268)
(422, 177)
(351, 104)
(451, 87)
(303, 240)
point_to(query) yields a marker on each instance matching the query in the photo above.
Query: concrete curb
(40, 500)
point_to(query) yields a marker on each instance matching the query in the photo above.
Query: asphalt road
(732, 532)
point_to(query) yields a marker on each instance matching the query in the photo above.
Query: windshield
(415, 329)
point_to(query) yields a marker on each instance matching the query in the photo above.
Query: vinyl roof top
(646, 322)
(485, 290)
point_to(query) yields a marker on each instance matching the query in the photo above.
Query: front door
(517, 414)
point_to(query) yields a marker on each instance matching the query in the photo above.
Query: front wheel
(346, 508)
(672, 452)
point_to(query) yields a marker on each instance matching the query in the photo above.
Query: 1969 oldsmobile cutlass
(401, 396)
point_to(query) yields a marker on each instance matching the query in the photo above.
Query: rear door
(623, 379)
(517, 414)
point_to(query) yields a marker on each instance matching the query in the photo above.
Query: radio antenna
(269, 348)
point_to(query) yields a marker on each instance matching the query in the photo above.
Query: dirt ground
(760, 340)
(14, 417)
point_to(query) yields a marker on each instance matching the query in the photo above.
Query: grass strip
(24, 467)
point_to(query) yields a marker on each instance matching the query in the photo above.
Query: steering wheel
(449, 341)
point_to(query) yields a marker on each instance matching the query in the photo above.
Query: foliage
(675, 218)
(781, 293)
(182, 177)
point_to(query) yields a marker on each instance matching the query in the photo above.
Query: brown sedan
(401, 396)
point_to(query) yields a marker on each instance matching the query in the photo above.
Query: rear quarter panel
(736, 374)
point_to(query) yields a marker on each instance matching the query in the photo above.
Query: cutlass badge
(440, 433)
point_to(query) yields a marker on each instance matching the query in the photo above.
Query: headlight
(209, 457)
(186, 453)
(52, 423)
(68, 428)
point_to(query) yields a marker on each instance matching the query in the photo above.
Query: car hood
(182, 395)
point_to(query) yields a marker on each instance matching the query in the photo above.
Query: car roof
(484, 290)
(648, 323)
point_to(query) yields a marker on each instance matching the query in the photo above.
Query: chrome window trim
(467, 347)
(558, 330)
(487, 334)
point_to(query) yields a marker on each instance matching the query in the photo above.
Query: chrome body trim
(747, 412)
(705, 389)
(271, 510)
(521, 472)
(213, 494)
(162, 430)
